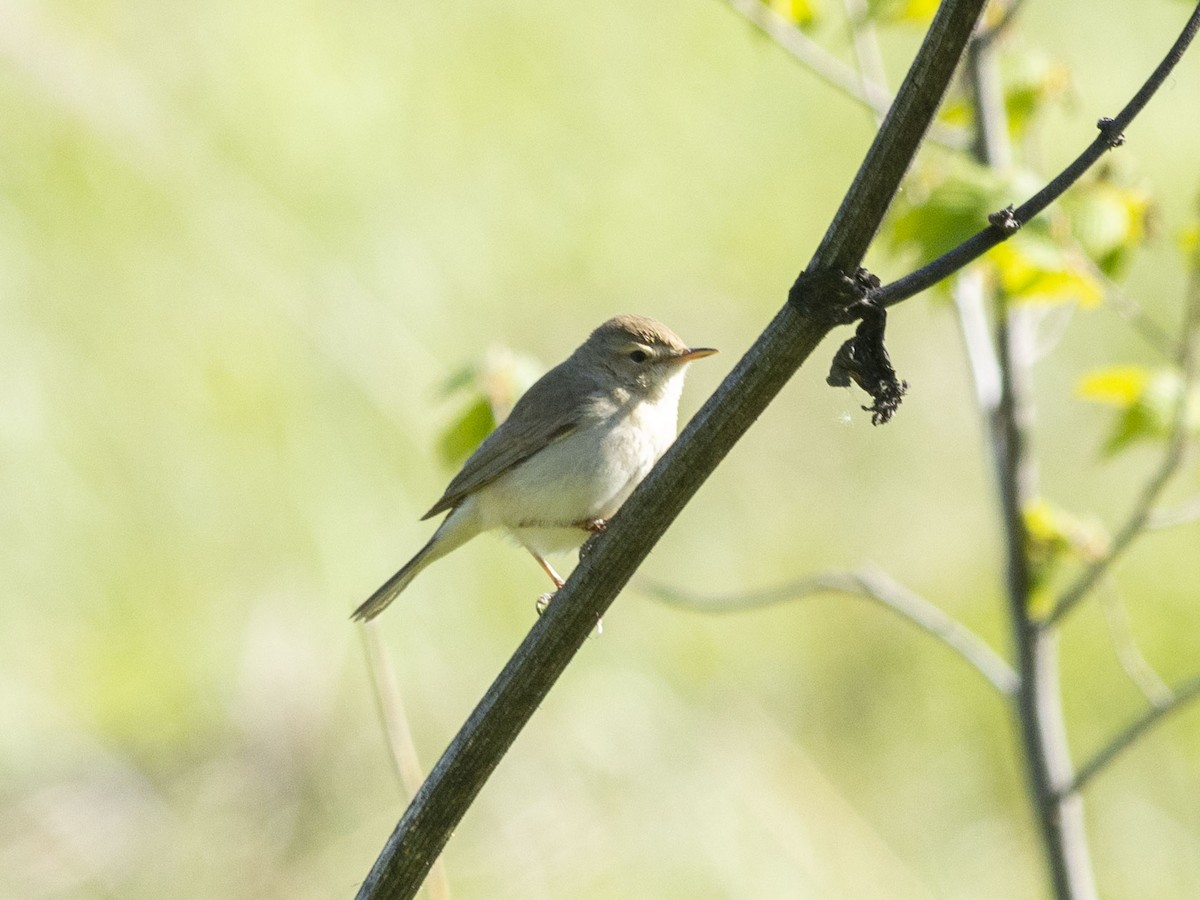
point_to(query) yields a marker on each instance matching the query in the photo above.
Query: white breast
(585, 476)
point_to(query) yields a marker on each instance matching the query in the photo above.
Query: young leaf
(1053, 535)
(1148, 403)
(493, 385)
(1118, 386)
(803, 13)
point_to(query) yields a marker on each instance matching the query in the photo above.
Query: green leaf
(1032, 82)
(942, 206)
(465, 433)
(1118, 386)
(1110, 218)
(1052, 535)
(1145, 414)
(896, 11)
(802, 12)
(493, 384)
(1189, 245)
(1030, 268)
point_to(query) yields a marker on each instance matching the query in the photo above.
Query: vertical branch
(1009, 412)
(1039, 709)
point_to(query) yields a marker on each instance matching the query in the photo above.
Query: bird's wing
(553, 408)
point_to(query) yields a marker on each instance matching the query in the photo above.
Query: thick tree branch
(1007, 222)
(895, 146)
(786, 343)
(872, 584)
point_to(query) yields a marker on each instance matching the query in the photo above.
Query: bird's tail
(391, 589)
(455, 531)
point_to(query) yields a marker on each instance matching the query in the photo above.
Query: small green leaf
(1110, 217)
(1052, 535)
(1119, 386)
(1033, 269)
(1032, 82)
(895, 11)
(802, 12)
(940, 206)
(493, 385)
(466, 433)
(1189, 245)
(1151, 414)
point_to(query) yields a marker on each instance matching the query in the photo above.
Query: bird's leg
(549, 570)
(544, 600)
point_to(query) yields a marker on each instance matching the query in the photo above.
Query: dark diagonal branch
(1007, 222)
(758, 377)
(871, 584)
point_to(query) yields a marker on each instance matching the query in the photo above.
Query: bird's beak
(694, 354)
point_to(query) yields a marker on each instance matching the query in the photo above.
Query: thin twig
(1111, 134)
(1184, 694)
(812, 55)
(866, 48)
(870, 583)
(1173, 517)
(1133, 662)
(1143, 508)
(820, 62)
(992, 33)
(401, 749)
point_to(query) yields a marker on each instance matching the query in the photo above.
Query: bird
(572, 450)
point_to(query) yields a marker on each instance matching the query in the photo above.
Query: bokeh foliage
(243, 248)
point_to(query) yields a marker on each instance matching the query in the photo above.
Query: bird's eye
(638, 356)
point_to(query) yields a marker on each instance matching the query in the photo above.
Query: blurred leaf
(493, 385)
(1110, 219)
(942, 206)
(1189, 245)
(461, 380)
(1032, 81)
(1118, 386)
(1032, 268)
(466, 433)
(1147, 412)
(895, 11)
(1053, 535)
(801, 12)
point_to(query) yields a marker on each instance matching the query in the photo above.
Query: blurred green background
(241, 248)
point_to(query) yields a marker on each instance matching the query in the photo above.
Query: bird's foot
(595, 528)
